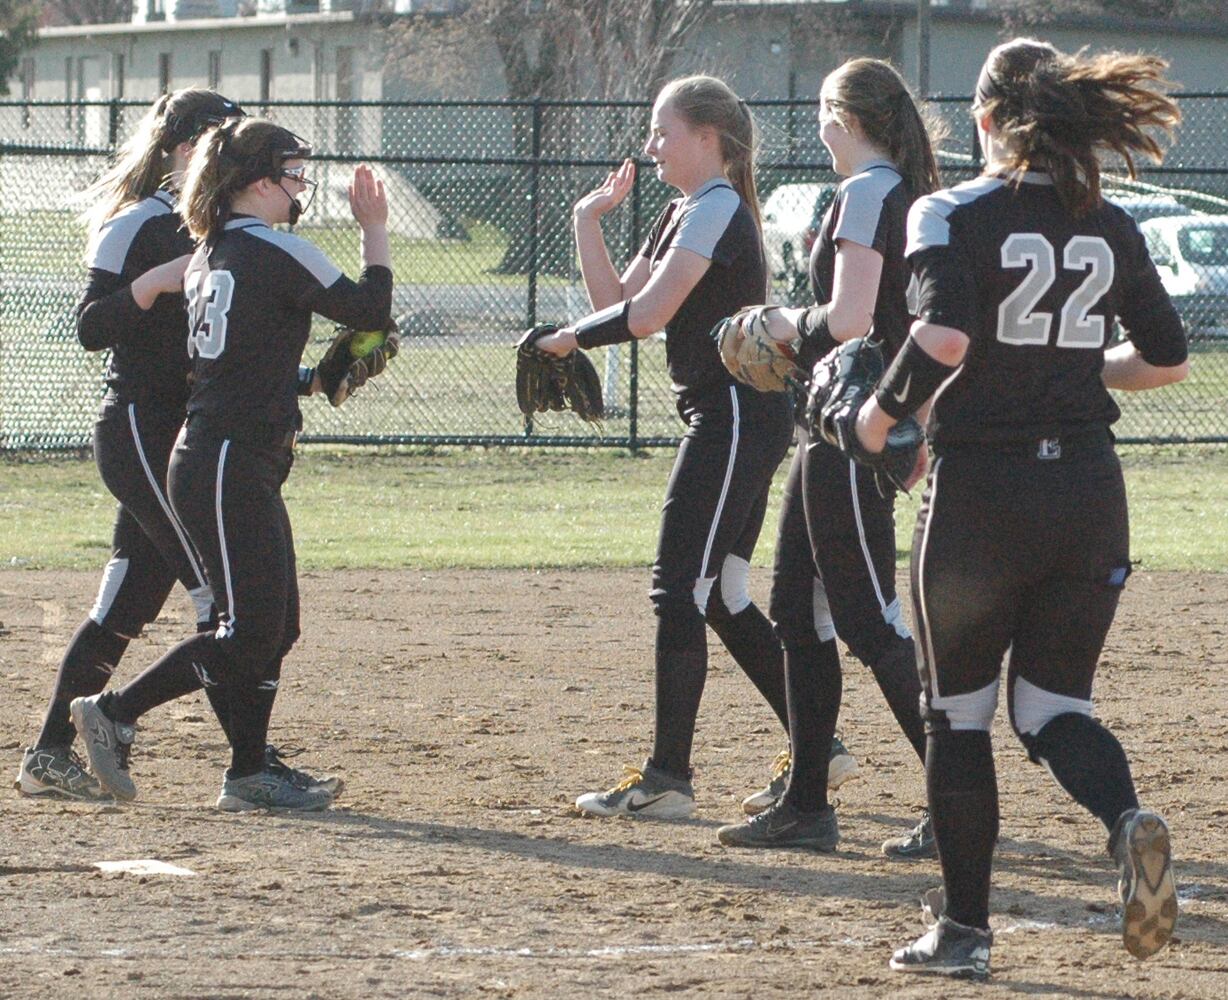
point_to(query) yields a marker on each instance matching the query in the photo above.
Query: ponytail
(706, 101)
(1059, 113)
(142, 164)
(237, 153)
(873, 93)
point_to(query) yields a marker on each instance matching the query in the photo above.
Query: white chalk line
(741, 945)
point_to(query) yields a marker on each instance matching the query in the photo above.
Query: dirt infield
(466, 710)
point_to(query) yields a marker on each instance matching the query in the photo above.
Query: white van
(1191, 254)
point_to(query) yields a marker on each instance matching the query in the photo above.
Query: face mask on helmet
(301, 150)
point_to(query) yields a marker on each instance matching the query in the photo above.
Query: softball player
(835, 553)
(132, 306)
(1021, 546)
(702, 261)
(251, 294)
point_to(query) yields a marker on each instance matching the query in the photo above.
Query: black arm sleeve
(1147, 314)
(365, 304)
(107, 311)
(946, 288)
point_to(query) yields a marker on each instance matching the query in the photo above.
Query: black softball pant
(227, 493)
(1017, 552)
(714, 509)
(150, 548)
(835, 555)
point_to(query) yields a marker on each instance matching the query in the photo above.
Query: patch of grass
(470, 508)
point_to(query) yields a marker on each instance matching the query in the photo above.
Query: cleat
(841, 767)
(647, 792)
(108, 744)
(1141, 845)
(783, 826)
(916, 843)
(275, 760)
(57, 773)
(269, 789)
(947, 949)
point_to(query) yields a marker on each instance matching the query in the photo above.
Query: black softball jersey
(149, 362)
(251, 296)
(715, 223)
(1036, 289)
(871, 210)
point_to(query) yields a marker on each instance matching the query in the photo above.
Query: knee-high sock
(1088, 762)
(85, 669)
(815, 685)
(963, 800)
(895, 671)
(177, 673)
(681, 670)
(754, 646)
(250, 708)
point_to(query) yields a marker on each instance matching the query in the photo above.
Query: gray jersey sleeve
(109, 247)
(313, 260)
(861, 207)
(705, 221)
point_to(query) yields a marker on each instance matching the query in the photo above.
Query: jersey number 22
(1019, 322)
(208, 304)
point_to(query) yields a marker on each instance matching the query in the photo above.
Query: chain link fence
(480, 226)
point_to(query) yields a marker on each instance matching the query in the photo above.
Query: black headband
(987, 88)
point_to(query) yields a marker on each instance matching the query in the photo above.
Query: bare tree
(18, 22)
(549, 50)
(86, 11)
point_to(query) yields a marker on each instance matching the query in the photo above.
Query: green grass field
(470, 508)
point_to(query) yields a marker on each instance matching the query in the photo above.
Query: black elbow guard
(913, 377)
(609, 326)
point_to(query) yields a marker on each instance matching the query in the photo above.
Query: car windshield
(1205, 245)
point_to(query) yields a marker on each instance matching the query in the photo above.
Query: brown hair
(1059, 112)
(707, 101)
(142, 163)
(228, 159)
(878, 98)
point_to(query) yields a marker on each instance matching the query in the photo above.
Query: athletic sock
(681, 670)
(249, 728)
(895, 672)
(174, 675)
(1088, 762)
(963, 800)
(755, 647)
(85, 670)
(815, 686)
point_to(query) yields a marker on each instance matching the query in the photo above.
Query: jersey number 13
(208, 303)
(1021, 324)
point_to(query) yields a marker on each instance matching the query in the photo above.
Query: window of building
(266, 75)
(164, 72)
(347, 116)
(69, 77)
(27, 78)
(117, 75)
(215, 69)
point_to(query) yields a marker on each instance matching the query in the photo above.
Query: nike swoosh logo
(903, 393)
(633, 807)
(782, 829)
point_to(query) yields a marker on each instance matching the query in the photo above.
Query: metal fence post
(113, 123)
(633, 391)
(535, 210)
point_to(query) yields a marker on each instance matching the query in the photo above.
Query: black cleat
(916, 843)
(783, 826)
(947, 949)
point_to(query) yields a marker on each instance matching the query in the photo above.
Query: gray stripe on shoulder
(705, 220)
(863, 197)
(308, 254)
(109, 247)
(929, 218)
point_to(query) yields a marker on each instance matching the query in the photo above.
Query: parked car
(1191, 254)
(792, 217)
(1143, 207)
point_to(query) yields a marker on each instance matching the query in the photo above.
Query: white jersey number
(1021, 324)
(207, 337)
